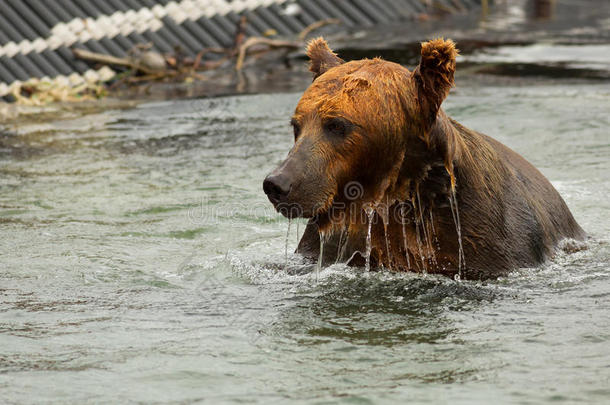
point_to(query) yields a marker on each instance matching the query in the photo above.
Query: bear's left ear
(322, 58)
(434, 75)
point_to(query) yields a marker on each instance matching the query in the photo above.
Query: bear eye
(296, 128)
(336, 126)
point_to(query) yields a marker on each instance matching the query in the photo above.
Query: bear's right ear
(434, 75)
(321, 57)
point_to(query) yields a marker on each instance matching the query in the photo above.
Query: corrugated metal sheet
(36, 36)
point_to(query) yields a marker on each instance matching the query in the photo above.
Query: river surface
(142, 263)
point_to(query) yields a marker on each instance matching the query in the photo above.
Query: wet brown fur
(413, 163)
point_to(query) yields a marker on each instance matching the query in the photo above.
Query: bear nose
(276, 187)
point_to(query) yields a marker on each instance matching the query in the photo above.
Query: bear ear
(434, 75)
(321, 57)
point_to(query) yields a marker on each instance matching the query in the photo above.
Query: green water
(141, 263)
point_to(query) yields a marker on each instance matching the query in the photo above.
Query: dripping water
(319, 264)
(419, 249)
(421, 217)
(369, 213)
(437, 244)
(341, 245)
(431, 248)
(418, 238)
(387, 240)
(456, 220)
(286, 245)
(344, 248)
(404, 236)
(430, 257)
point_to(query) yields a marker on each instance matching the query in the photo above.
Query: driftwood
(274, 43)
(153, 66)
(146, 62)
(314, 26)
(271, 43)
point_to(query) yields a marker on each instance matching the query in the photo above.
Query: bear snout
(277, 187)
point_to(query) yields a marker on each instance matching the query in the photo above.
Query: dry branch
(272, 43)
(314, 26)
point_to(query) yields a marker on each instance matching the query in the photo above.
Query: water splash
(369, 214)
(456, 220)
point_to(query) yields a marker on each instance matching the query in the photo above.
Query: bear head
(363, 131)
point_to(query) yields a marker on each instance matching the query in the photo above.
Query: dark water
(141, 262)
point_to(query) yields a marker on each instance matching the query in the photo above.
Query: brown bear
(387, 179)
